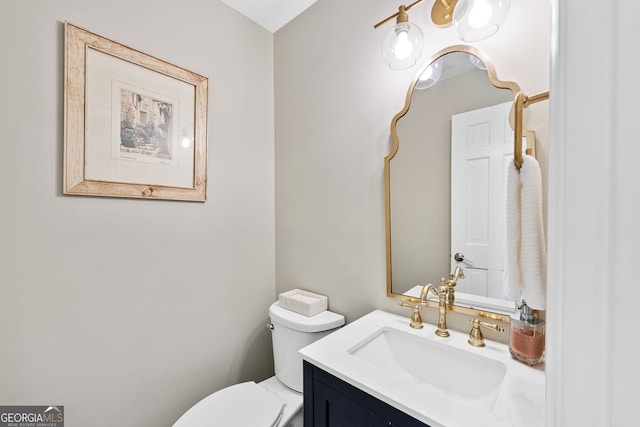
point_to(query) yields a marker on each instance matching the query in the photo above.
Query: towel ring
(521, 102)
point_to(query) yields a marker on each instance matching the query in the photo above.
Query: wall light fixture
(476, 20)
(429, 76)
(402, 45)
(473, 20)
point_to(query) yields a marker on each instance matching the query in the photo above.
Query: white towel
(525, 262)
(512, 276)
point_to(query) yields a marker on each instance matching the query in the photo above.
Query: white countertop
(520, 401)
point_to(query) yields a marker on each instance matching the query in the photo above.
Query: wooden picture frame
(134, 126)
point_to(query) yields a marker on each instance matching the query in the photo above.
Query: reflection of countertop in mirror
(486, 386)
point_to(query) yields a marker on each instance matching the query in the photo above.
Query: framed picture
(135, 126)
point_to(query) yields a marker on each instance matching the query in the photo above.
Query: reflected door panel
(478, 150)
(476, 281)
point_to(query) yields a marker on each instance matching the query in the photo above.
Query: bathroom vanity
(377, 371)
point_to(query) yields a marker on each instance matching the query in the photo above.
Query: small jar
(527, 336)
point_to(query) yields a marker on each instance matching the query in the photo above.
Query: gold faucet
(452, 282)
(441, 292)
(416, 317)
(476, 338)
(445, 294)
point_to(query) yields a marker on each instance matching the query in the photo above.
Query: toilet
(276, 401)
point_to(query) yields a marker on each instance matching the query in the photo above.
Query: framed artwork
(134, 125)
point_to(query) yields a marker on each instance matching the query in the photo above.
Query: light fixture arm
(401, 14)
(446, 5)
(441, 13)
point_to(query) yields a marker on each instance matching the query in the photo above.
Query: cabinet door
(395, 420)
(333, 409)
(380, 421)
(331, 402)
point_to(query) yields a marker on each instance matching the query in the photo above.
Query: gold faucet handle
(416, 317)
(476, 338)
(454, 276)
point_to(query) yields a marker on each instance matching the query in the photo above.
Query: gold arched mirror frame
(480, 311)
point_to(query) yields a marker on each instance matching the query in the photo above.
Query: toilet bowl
(276, 401)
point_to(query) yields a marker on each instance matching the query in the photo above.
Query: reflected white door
(481, 144)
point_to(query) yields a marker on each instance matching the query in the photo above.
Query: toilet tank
(291, 332)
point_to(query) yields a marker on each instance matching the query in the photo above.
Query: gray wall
(129, 311)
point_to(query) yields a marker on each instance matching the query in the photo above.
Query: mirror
(442, 197)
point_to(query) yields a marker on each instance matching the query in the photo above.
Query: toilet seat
(245, 404)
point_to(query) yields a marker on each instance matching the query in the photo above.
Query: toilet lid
(245, 404)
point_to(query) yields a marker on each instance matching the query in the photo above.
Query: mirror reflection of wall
(420, 172)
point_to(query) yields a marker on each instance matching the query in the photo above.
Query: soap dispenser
(527, 336)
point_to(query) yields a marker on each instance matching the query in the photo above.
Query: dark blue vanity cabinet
(331, 402)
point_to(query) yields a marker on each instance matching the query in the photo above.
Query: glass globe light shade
(476, 20)
(402, 46)
(429, 76)
(477, 62)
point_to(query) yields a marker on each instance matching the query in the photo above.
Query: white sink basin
(432, 365)
(439, 381)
